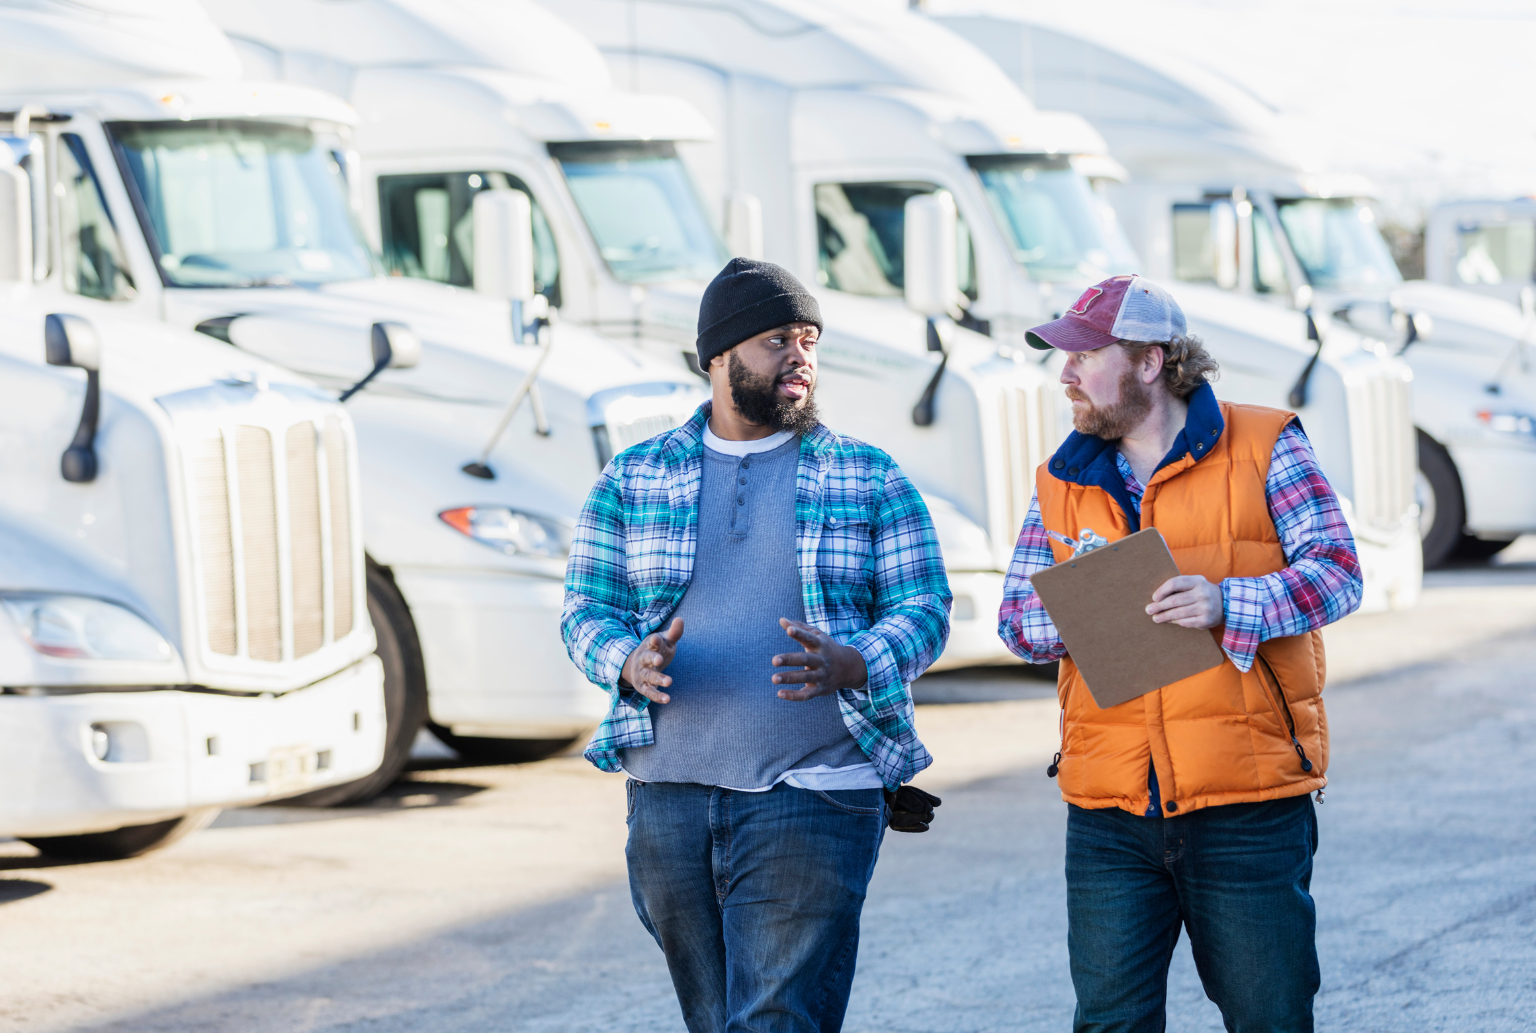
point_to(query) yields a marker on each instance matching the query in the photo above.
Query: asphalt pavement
(493, 899)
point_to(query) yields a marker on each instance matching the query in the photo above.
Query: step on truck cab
(183, 619)
(227, 206)
(455, 102)
(1217, 195)
(832, 116)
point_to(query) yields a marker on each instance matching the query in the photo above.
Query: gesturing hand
(642, 671)
(1189, 601)
(828, 665)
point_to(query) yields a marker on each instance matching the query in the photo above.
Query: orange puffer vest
(1222, 736)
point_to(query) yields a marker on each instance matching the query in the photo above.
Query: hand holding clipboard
(1098, 602)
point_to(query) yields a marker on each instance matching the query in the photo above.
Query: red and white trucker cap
(1121, 308)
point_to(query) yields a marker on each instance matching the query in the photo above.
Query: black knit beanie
(747, 298)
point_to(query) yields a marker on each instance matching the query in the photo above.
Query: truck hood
(141, 360)
(468, 354)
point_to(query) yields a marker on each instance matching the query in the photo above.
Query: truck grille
(251, 495)
(1028, 420)
(1382, 447)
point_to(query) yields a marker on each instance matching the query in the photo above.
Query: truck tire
(486, 751)
(128, 841)
(405, 695)
(1442, 510)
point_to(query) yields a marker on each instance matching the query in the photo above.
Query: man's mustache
(1077, 395)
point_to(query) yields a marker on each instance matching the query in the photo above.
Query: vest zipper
(1061, 732)
(1277, 698)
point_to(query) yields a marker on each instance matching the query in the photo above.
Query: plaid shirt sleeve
(599, 605)
(1322, 582)
(1025, 627)
(910, 625)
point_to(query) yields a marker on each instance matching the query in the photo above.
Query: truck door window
(427, 223)
(93, 264)
(1205, 243)
(1268, 262)
(1500, 253)
(861, 238)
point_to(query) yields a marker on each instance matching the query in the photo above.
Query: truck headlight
(511, 531)
(1518, 424)
(78, 627)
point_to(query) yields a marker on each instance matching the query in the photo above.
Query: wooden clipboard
(1098, 602)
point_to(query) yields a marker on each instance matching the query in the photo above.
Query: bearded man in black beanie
(759, 765)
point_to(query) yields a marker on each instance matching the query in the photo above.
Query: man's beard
(1114, 421)
(758, 400)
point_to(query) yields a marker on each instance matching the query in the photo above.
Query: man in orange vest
(1189, 806)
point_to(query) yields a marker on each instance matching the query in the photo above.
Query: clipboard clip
(1086, 542)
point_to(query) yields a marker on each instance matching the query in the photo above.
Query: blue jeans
(1236, 877)
(754, 898)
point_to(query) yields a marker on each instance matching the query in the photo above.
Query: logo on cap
(1088, 298)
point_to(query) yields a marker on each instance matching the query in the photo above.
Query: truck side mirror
(744, 226)
(503, 223)
(395, 346)
(1224, 243)
(930, 253)
(72, 341)
(15, 220)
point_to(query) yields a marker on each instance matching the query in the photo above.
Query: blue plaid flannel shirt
(870, 570)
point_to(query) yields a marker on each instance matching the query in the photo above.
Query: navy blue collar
(1085, 459)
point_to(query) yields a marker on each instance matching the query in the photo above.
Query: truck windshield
(1337, 243)
(232, 203)
(639, 202)
(1058, 227)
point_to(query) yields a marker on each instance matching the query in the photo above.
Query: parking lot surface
(491, 899)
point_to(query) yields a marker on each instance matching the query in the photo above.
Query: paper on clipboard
(1098, 602)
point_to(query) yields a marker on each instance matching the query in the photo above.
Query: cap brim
(1068, 335)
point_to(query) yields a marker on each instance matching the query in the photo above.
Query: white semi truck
(1216, 195)
(831, 116)
(183, 620)
(459, 101)
(232, 207)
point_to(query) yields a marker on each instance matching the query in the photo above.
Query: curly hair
(1186, 363)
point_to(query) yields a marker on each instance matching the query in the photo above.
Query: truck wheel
(405, 695)
(1442, 512)
(128, 841)
(478, 750)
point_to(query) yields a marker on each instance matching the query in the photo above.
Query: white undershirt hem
(715, 443)
(821, 777)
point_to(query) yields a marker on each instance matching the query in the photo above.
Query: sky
(1432, 100)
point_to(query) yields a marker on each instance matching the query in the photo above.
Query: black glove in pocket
(911, 809)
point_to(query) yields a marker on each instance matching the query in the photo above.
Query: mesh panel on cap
(1148, 313)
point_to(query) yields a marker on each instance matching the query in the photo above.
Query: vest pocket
(1277, 700)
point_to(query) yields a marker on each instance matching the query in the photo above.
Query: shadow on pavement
(405, 794)
(12, 890)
